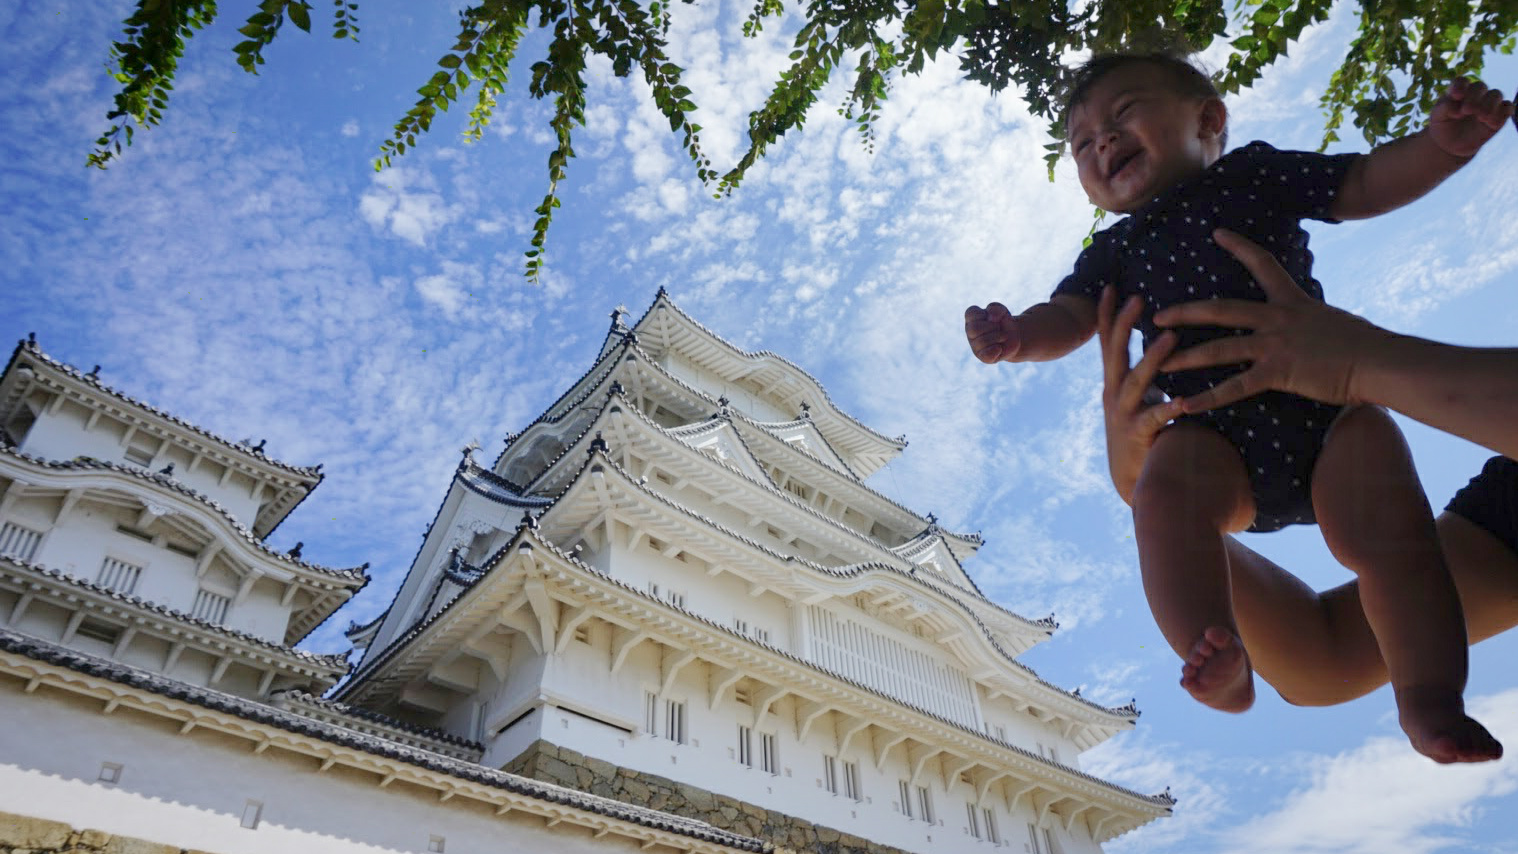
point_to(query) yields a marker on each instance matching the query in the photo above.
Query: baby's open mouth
(1120, 162)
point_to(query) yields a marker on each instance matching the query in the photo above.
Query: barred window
(120, 576)
(211, 607)
(18, 542)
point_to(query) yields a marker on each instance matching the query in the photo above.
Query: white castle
(670, 616)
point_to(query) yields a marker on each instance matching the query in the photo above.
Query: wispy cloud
(1381, 796)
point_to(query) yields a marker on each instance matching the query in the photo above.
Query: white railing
(120, 576)
(211, 607)
(18, 542)
(891, 667)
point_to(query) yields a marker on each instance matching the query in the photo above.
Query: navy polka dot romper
(1164, 253)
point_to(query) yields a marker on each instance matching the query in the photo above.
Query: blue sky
(244, 267)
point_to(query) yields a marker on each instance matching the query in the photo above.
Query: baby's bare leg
(1377, 522)
(1192, 490)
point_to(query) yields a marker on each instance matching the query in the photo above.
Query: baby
(1147, 132)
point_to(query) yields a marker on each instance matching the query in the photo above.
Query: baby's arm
(1404, 169)
(1045, 331)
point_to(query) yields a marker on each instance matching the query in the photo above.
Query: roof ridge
(82, 463)
(664, 298)
(335, 660)
(263, 713)
(30, 345)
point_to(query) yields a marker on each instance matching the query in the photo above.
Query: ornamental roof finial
(616, 316)
(259, 448)
(94, 373)
(614, 389)
(528, 521)
(31, 338)
(469, 449)
(598, 443)
(724, 406)
(295, 552)
(806, 411)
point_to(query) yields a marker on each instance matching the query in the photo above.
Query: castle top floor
(53, 411)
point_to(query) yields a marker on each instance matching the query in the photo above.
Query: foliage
(1405, 53)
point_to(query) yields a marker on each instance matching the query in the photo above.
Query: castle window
(851, 787)
(925, 804)
(211, 607)
(974, 819)
(992, 834)
(118, 575)
(135, 533)
(830, 774)
(745, 746)
(762, 635)
(110, 773)
(138, 455)
(651, 714)
(435, 844)
(98, 630)
(769, 758)
(18, 542)
(674, 721)
(906, 797)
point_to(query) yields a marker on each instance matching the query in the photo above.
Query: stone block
(19, 831)
(93, 839)
(128, 845)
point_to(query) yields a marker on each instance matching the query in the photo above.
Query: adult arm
(1303, 346)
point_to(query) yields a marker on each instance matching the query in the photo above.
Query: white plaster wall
(191, 791)
(88, 535)
(744, 400)
(62, 436)
(722, 598)
(709, 760)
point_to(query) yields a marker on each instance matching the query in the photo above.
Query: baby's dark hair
(1189, 80)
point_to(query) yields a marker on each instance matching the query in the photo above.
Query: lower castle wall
(565, 767)
(190, 793)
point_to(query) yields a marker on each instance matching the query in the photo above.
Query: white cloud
(404, 201)
(451, 289)
(349, 128)
(1382, 796)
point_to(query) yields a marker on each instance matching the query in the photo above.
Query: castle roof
(43, 661)
(29, 366)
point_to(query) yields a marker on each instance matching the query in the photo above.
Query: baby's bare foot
(1438, 727)
(1217, 672)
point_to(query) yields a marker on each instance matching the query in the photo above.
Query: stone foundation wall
(560, 765)
(20, 834)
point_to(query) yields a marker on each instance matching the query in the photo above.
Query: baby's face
(1134, 135)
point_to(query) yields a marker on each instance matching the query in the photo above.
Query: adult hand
(1133, 418)
(1298, 344)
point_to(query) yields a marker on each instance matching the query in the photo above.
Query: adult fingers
(1131, 395)
(1228, 350)
(1232, 390)
(1235, 313)
(1115, 342)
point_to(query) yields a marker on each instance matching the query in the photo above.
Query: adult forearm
(1471, 392)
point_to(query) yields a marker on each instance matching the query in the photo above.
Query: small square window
(110, 773)
(435, 844)
(252, 814)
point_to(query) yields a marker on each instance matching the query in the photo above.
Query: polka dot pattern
(1164, 253)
